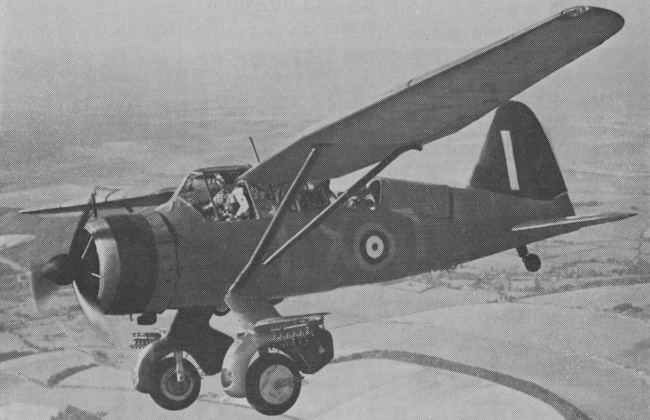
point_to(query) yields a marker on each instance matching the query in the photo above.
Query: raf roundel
(374, 247)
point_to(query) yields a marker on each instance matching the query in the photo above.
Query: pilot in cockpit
(363, 199)
(237, 204)
(221, 193)
(329, 195)
(316, 196)
(221, 197)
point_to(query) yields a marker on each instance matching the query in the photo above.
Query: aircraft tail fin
(517, 157)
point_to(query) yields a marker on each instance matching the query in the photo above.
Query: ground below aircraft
(204, 249)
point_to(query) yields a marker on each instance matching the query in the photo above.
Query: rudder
(529, 169)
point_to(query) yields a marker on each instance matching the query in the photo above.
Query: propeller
(96, 319)
(76, 268)
(42, 289)
(60, 270)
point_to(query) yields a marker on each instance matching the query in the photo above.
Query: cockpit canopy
(200, 187)
(210, 191)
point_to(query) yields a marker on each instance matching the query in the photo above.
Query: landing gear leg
(531, 261)
(180, 370)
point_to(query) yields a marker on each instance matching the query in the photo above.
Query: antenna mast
(254, 149)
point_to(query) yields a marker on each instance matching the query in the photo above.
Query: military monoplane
(240, 238)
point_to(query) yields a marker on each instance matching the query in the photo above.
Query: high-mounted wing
(443, 101)
(110, 199)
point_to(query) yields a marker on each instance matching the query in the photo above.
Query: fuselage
(356, 245)
(174, 257)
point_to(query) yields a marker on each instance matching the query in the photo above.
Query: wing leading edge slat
(445, 100)
(112, 200)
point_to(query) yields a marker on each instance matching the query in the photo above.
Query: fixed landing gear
(286, 348)
(531, 261)
(162, 371)
(176, 382)
(273, 384)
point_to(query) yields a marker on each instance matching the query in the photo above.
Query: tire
(168, 392)
(264, 388)
(223, 312)
(532, 262)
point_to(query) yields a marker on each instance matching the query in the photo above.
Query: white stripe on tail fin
(510, 160)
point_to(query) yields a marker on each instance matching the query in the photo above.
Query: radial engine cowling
(123, 257)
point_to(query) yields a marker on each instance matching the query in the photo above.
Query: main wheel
(272, 384)
(168, 392)
(532, 262)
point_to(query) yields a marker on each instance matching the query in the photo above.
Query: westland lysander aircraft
(242, 239)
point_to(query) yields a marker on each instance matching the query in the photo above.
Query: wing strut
(316, 221)
(276, 222)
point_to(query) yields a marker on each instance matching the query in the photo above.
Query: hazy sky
(288, 50)
(76, 74)
(279, 24)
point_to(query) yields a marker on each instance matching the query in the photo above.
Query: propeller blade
(41, 287)
(96, 319)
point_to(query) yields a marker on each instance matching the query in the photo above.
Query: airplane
(281, 232)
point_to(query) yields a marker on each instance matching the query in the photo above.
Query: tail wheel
(532, 262)
(168, 391)
(272, 384)
(221, 312)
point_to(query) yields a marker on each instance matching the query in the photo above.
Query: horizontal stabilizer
(571, 222)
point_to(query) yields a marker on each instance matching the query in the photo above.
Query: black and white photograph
(316, 210)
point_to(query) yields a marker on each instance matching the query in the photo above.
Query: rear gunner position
(297, 237)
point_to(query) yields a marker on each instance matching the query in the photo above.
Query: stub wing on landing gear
(285, 347)
(288, 326)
